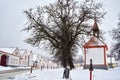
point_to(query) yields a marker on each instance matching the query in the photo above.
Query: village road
(9, 75)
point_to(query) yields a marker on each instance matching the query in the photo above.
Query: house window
(11, 60)
(0, 52)
(25, 58)
(16, 53)
(14, 60)
(20, 62)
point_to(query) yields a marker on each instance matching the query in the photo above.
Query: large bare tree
(62, 25)
(116, 36)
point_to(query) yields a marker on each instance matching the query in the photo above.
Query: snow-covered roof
(8, 50)
(22, 51)
(94, 41)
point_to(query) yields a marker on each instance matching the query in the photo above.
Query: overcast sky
(12, 20)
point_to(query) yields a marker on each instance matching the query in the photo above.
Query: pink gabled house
(9, 56)
(12, 56)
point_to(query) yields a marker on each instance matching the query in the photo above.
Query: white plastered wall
(96, 54)
(13, 60)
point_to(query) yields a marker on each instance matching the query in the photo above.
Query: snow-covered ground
(5, 68)
(76, 74)
(11, 68)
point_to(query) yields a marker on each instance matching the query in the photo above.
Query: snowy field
(76, 74)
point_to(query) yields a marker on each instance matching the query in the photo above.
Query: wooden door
(3, 60)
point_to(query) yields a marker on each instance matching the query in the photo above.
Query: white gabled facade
(23, 57)
(95, 49)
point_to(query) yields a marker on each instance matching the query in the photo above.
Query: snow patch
(4, 68)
